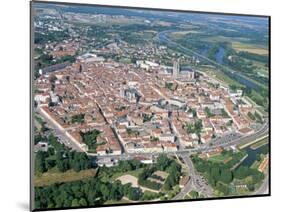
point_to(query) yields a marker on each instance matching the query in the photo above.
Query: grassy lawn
(110, 202)
(230, 159)
(192, 195)
(255, 165)
(220, 158)
(54, 176)
(219, 75)
(259, 143)
(244, 145)
(247, 47)
(261, 68)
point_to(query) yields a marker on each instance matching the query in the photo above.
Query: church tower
(176, 68)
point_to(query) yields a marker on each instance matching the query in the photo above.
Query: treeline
(140, 27)
(123, 166)
(89, 192)
(246, 67)
(61, 157)
(220, 175)
(94, 191)
(174, 170)
(52, 36)
(252, 56)
(260, 98)
(46, 60)
(192, 41)
(100, 189)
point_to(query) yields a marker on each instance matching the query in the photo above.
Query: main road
(203, 148)
(196, 181)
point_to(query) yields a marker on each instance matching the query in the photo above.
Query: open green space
(220, 76)
(103, 187)
(221, 176)
(54, 176)
(90, 138)
(260, 143)
(60, 157)
(134, 173)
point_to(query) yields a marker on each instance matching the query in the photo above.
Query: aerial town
(117, 101)
(139, 108)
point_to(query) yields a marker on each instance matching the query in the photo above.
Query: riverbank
(242, 146)
(259, 144)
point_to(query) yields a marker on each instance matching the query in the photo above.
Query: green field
(244, 145)
(220, 158)
(260, 143)
(248, 47)
(122, 201)
(220, 76)
(54, 176)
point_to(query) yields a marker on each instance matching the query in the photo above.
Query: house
(241, 122)
(153, 147)
(170, 147)
(101, 150)
(194, 138)
(215, 152)
(167, 137)
(263, 164)
(206, 137)
(134, 147)
(42, 98)
(186, 141)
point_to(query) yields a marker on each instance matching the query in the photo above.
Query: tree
(222, 188)
(90, 138)
(75, 203)
(215, 173)
(162, 162)
(208, 112)
(189, 128)
(134, 193)
(50, 164)
(198, 126)
(167, 186)
(105, 191)
(83, 202)
(194, 194)
(226, 176)
(40, 163)
(241, 172)
(62, 165)
(125, 166)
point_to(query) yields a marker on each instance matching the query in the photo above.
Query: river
(252, 154)
(220, 55)
(162, 36)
